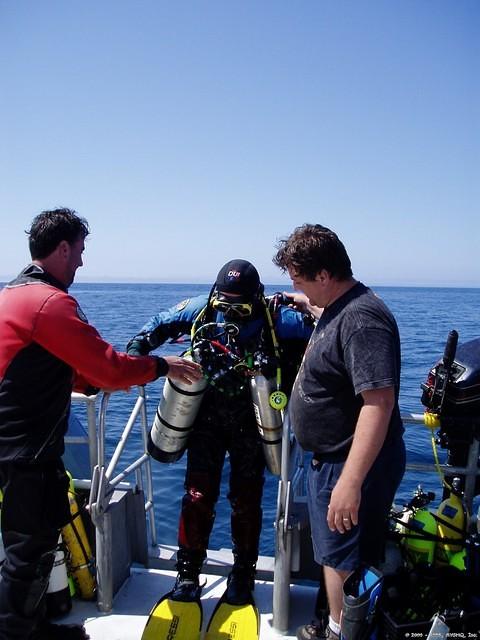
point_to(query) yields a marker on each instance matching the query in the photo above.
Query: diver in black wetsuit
(226, 420)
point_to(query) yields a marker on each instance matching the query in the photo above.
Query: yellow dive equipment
(278, 400)
(420, 537)
(174, 619)
(241, 621)
(452, 521)
(80, 557)
(457, 560)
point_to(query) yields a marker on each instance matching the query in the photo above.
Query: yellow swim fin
(233, 621)
(174, 620)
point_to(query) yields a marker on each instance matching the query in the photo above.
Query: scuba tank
(457, 560)
(269, 419)
(58, 599)
(416, 527)
(452, 521)
(80, 556)
(174, 419)
(269, 402)
(421, 548)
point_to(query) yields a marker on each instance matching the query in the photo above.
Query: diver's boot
(241, 583)
(187, 587)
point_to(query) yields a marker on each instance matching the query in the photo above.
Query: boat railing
(106, 477)
(290, 519)
(90, 404)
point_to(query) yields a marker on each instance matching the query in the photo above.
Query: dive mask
(231, 307)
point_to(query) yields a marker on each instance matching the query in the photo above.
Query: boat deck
(141, 591)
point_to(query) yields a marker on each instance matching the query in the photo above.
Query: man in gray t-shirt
(344, 408)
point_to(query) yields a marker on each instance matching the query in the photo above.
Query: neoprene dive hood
(239, 277)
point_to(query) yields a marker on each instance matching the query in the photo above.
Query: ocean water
(424, 315)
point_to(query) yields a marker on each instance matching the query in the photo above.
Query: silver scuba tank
(174, 419)
(269, 421)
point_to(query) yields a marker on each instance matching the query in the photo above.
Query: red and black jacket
(47, 349)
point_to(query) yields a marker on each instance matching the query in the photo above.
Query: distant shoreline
(281, 286)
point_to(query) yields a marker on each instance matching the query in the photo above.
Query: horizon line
(111, 280)
(278, 284)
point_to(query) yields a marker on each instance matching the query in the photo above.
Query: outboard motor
(455, 392)
(452, 391)
(174, 419)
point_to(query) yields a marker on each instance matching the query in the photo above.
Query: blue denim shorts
(364, 543)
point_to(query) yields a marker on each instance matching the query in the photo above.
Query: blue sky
(189, 133)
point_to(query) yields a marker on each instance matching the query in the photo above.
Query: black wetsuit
(225, 423)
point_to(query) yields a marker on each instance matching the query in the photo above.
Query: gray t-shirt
(355, 347)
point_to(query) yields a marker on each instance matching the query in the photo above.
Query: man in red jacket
(48, 349)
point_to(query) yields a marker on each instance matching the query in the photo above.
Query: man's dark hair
(49, 228)
(311, 248)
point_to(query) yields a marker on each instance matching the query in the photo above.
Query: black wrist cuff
(162, 367)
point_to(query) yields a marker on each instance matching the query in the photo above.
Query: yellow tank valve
(431, 420)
